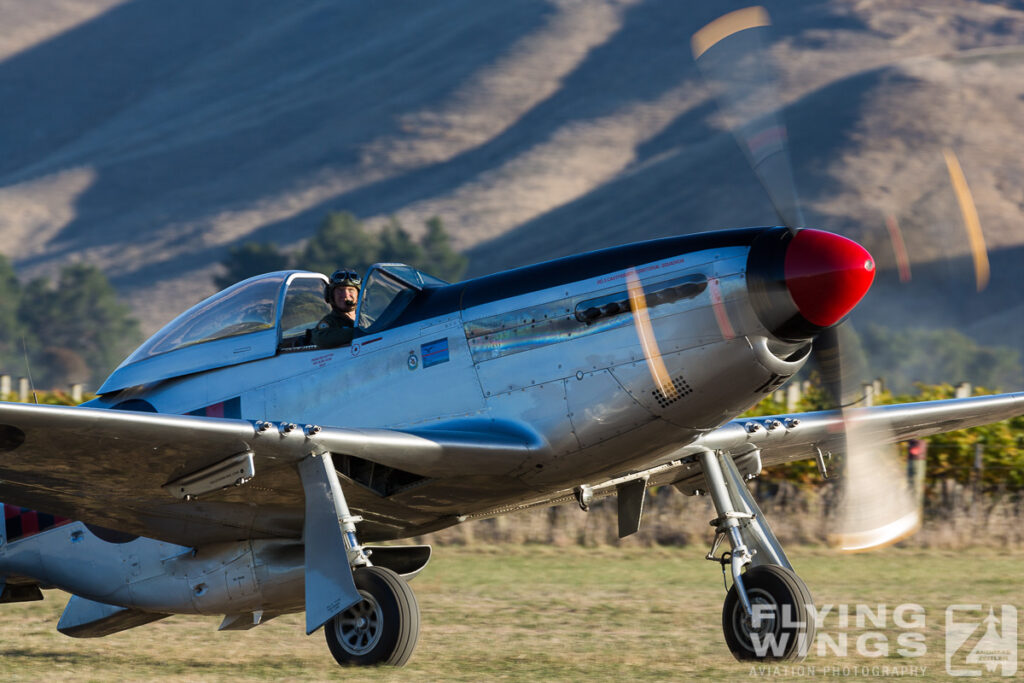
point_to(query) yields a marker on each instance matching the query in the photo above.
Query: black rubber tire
(381, 629)
(787, 626)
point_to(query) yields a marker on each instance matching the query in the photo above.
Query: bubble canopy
(244, 322)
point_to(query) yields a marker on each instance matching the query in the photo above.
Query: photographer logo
(980, 644)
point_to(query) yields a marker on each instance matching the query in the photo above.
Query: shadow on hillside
(693, 177)
(170, 99)
(647, 56)
(950, 281)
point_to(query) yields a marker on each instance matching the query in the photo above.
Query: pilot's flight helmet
(343, 277)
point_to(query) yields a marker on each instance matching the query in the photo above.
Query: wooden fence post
(792, 396)
(869, 394)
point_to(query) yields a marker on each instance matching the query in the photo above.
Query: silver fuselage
(518, 354)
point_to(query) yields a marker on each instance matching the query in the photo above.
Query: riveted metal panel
(600, 409)
(719, 380)
(544, 409)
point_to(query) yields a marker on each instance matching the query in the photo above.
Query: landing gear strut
(369, 613)
(768, 612)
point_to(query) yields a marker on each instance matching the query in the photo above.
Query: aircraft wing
(129, 470)
(786, 438)
(116, 468)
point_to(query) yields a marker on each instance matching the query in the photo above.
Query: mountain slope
(147, 137)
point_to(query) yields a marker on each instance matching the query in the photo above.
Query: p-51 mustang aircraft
(226, 469)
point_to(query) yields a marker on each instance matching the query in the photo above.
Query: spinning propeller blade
(970, 215)
(731, 57)
(638, 305)
(875, 505)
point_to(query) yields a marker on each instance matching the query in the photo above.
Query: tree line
(343, 241)
(74, 330)
(951, 456)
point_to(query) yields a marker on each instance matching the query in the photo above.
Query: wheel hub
(763, 621)
(359, 627)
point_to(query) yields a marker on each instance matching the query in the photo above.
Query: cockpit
(387, 290)
(261, 317)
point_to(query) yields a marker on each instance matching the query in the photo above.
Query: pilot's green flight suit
(334, 329)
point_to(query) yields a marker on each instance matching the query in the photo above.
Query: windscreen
(248, 306)
(387, 290)
(304, 306)
(383, 298)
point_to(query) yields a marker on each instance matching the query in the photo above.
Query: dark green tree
(933, 356)
(81, 316)
(251, 258)
(439, 258)
(396, 246)
(11, 329)
(61, 366)
(339, 242)
(38, 311)
(342, 241)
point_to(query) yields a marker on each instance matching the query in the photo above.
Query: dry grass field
(541, 613)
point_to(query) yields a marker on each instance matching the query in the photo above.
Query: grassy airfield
(540, 613)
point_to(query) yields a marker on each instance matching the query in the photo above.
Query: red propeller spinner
(827, 275)
(804, 281)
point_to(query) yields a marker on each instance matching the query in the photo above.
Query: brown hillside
(149, 136)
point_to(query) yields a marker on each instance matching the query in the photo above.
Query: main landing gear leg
(768, 612)
(370, 614)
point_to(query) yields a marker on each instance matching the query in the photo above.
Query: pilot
(337, 327)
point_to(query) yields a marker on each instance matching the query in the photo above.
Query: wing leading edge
(112, 468)
(780, 439)
(785, 438)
